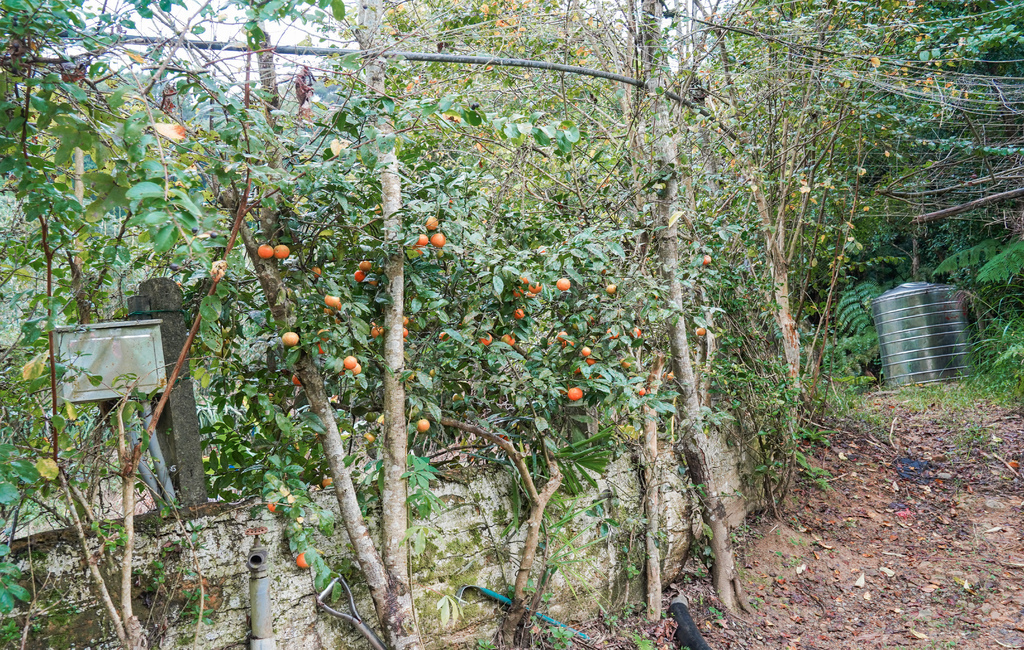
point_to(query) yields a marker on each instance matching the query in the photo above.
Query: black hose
(687, 634)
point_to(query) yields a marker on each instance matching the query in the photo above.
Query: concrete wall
(601, 566)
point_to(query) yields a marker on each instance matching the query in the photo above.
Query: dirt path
(917, 543)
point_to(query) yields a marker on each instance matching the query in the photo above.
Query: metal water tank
(921, 333)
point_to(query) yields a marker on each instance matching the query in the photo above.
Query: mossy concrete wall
(473, 541)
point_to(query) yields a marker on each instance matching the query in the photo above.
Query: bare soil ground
(916, 542)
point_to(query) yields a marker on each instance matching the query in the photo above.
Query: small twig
(1008, 465)
(892, 428)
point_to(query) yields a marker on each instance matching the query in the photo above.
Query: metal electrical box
(124, 355)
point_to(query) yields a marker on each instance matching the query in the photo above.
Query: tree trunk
(774, 237)
(537, 506)
(652, 487)
(538, 502)
(699, 450)
(135, 635)
(395, 518)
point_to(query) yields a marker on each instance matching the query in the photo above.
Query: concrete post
(178, 428)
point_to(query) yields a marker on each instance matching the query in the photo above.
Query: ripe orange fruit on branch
(423, 425)
(519, 314)
(358, 369)
(360, 276)
(442, 336)
(611, 289)
(301, 561)
(327, 482)
(438, 240)
(508, 339)
(272, 507)
(295, 380)
(585, 352)
(350, 362)
(376, 330)
(432, 223)
(334, 302)
(563, 284)
(369, 437)
(290, 339)
(405, 332)
(422, 240)
(365, 266)
(701, 331)
(266, 251)
(535, 288)
(575, 394)
(591, 361)
(636, 332)
(486, 341)
(707, 260)
(281, 252)
(642, 391)
(626, 364)
(611, 335)
(317, 272)
(405, 320)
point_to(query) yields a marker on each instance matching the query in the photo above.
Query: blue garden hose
(493, 595)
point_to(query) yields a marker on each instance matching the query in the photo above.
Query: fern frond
(973, 256)
(1004, 266)
(853, 309)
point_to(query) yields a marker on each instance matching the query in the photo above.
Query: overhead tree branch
(970, 205)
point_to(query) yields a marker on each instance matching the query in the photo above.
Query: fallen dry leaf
(887, 571)
(860, 581)
(917, 635)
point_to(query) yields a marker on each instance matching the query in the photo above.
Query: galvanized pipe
(147, 474)
(162, 472)
(262, 637)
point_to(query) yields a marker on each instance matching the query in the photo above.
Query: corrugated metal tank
(921, 333)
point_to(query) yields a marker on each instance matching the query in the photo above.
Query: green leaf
(210, 308)
(116, 98)
(338, 9)
(25, 470)
(19, 592)
(164, 238)
(571, 131)
(145, 190)
(498, 285)
(8, 493)
(444, 610)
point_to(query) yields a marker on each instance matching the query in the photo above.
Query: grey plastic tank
(921, 333)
